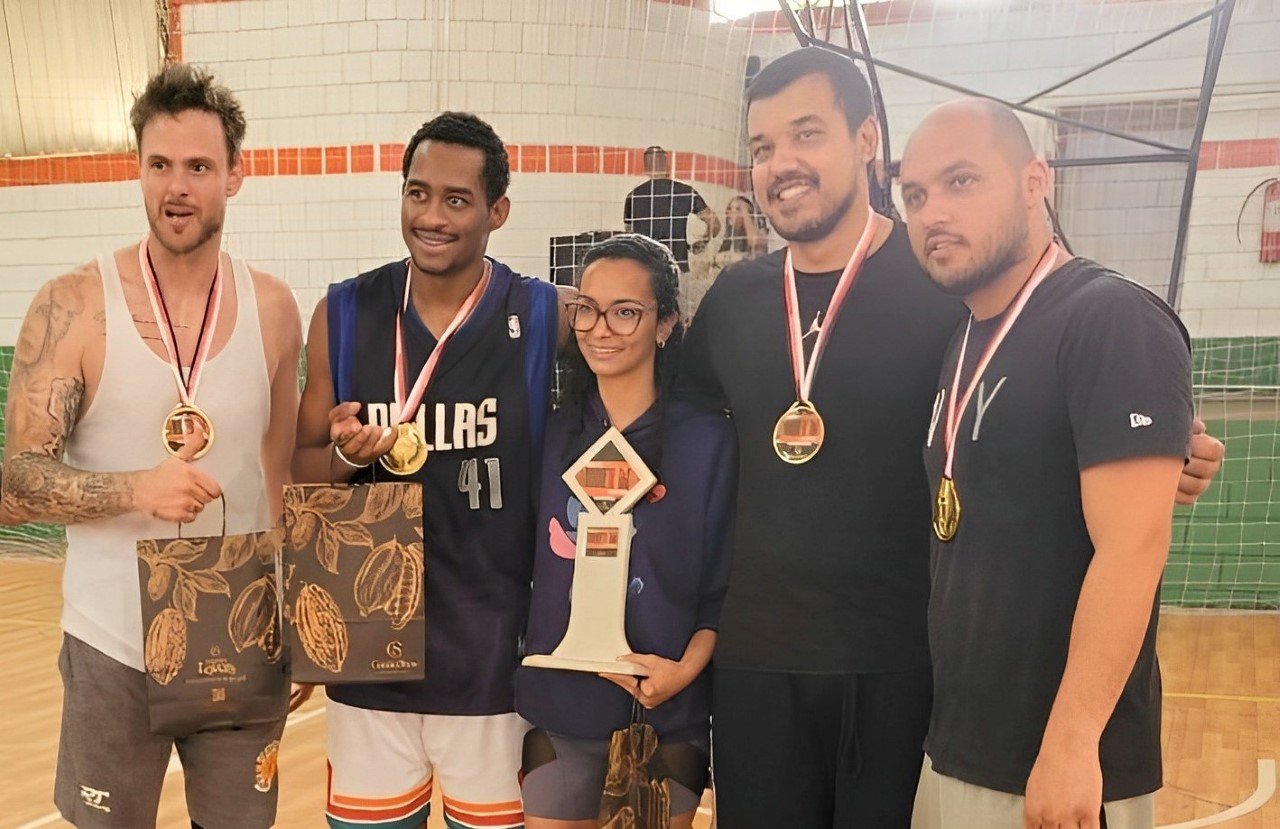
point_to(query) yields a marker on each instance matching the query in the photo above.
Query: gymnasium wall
(333, 90)
(1226, 292)
(578, 89)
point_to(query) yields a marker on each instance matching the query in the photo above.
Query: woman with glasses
(620, 365)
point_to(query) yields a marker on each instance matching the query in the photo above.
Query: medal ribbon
(187, 387)
(804, 374)
(954, 412)
(408, 406)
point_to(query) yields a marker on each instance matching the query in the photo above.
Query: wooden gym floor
(1221, 720)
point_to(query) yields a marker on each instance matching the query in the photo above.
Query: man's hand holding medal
(357, 444)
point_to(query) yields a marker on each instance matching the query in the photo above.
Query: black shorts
(818, 750)
(567, 779)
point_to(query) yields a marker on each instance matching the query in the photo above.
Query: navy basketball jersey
(483, 416)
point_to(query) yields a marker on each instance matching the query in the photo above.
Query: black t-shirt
(813, 295)
(1096, 369)
(660, 209)
(830, 558)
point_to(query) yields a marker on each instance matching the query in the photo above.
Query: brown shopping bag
(213, 631)
(354, 575)
(633, 797)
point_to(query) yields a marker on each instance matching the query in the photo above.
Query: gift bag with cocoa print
(354, 571)
(213, 626)
(634, 796)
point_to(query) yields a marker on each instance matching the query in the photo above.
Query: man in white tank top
(104, 356)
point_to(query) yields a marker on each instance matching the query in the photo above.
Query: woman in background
(744, 234)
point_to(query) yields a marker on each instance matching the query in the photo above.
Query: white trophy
(609, 479)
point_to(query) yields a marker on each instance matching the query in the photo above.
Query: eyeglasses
(622, 319)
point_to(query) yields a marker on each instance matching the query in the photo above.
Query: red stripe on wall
(369, 158)
(77, 169)
(1235, 155)
(524, 158)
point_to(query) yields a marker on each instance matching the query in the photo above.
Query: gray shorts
(111, 767)
(948, 803)
(570, 786)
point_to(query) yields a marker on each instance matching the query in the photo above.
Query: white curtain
(69, 70)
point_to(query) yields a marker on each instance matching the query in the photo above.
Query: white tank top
(121, 432)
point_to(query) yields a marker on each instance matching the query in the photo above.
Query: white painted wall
(1227, 292)
(624, 73)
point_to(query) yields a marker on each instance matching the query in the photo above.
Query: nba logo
(513, 327)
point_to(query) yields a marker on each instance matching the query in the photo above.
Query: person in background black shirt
(1043, 612)
(660, 208)
(822, 686)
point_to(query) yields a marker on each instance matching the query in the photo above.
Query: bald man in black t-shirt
(1058, 436)
(822, 683)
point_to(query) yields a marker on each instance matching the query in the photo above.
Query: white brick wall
(476, 55)
(310, 230)
(1226, 292)
(622, 73)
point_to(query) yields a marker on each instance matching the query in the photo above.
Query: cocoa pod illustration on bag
(255, 618)
(321, 629)
(391, 580)
(166, 647)
(305, 520)
(264, 768)
(211, 632)
(381, 504)
(413, 503)
(403, 604)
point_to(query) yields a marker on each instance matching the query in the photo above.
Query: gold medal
(946, 510)
(187, 425)
(408, 454)
(946, 504)
(798, 434)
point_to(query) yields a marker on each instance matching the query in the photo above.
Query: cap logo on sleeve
(1137, 421)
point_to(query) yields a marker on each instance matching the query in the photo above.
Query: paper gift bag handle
(223, 499)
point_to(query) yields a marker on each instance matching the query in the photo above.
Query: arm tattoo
(64, 405)
(43, 407)
(39, 487)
